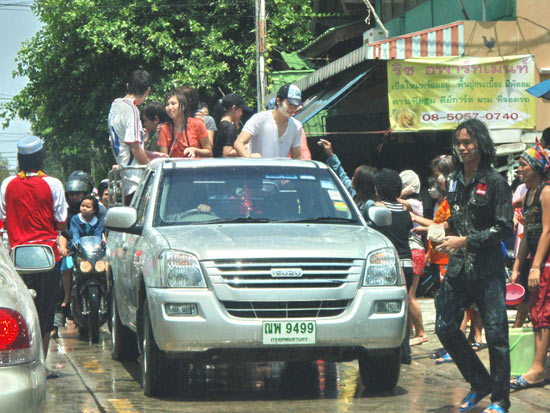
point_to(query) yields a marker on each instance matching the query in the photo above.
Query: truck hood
(236, 241)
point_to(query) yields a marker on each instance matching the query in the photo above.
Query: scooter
(89, 301)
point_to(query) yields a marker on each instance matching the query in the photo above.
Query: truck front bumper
(360, 325)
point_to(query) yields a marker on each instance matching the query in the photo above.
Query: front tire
(93, 315)
(157, 375)
(380, 372)
(123, 340)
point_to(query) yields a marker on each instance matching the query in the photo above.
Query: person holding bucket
(533, 167)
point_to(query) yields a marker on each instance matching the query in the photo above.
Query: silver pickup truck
(251, 259)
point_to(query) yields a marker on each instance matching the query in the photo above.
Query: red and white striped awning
(442, 41)
(447, 40)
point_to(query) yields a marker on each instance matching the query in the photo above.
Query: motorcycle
(89, 301)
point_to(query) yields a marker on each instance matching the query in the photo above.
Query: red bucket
(514, 294)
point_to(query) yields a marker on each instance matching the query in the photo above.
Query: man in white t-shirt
(125, 129)
(273, 133)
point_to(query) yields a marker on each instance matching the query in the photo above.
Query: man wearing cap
(33, 208)
(273, 133)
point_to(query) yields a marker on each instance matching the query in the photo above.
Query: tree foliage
(5, 170)
(80, 59)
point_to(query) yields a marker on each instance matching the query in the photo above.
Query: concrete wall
(529, 34)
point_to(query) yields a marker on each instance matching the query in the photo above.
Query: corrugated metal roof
(447, 40)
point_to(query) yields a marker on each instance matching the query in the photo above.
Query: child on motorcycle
(86, 222)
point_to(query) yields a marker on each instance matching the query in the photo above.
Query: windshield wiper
(238, 220)
(335, 220)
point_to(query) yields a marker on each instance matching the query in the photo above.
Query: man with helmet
(78, 185)
(33, 208)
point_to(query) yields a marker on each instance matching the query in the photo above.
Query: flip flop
(521, 384)
(52, 375)
(477, 346)
(438, 353)
(471, 400)
(496, 407)
(418, 340)
(445, 358)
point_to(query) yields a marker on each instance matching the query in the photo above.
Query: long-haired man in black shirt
(481, 217)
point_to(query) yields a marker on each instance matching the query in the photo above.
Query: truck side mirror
(33, 258)
(123, 219)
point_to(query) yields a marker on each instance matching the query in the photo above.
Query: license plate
(288, 332)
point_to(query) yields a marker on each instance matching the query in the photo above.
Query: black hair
(140, 81)
(103, 185)
(192, 100)
(202, 105)
(32, 162)
(388, 185)
(182, 100)
(545, 139)
(478, 132)
(221, 108)
(363, 183)
(94, 200)
(153, 110)
(444, 164)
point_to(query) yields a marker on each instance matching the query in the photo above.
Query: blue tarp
(541, 90)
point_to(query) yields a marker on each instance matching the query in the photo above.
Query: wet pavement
(89, 381)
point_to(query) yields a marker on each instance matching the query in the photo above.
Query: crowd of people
(465, 245)
(459, 245)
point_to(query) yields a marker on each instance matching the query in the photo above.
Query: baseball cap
(237, 100)
(29, 145)
(292, 93)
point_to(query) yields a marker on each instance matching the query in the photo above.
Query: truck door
(134, 247)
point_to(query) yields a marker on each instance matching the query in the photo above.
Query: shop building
(348, 99)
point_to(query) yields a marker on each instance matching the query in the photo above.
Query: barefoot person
(533, 165)
(481, 217)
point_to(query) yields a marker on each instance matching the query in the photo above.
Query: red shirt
(31, 207)
(196, 130)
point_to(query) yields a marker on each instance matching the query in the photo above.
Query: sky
(17, 24)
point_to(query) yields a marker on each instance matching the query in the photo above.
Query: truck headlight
(182, 270)
(383, 268)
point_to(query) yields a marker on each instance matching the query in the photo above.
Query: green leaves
(80, 59)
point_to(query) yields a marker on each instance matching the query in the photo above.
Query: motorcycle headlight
(383, 268)
(100, 266)
(85, 266)
(182, 270)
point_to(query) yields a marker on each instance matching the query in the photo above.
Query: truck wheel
(123, 340)
(380, 372)
(157, 375)
(93, 315)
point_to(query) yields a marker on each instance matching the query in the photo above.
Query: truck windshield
(251, 194)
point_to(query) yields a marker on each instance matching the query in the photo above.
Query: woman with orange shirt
(183, 136)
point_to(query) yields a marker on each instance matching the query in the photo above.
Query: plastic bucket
(514, 294)
(522, 350)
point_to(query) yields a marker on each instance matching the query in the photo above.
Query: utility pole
(260, 55)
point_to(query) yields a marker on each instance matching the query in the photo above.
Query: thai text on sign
(440, 92)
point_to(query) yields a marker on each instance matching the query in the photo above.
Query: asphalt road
(89, 381)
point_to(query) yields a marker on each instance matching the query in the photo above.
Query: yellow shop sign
(440, 92)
